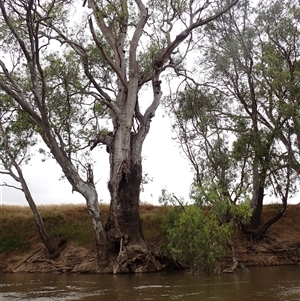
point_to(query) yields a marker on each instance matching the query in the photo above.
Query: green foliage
(239, 125)
(199, 236)
(17, 133)
(224, 210)
(148, 56)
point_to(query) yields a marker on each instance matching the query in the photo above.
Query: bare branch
(184, 34)
(11, 174)
(11, 186)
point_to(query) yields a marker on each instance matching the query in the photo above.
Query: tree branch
(14, 32)
(106, 57)
(105, 139)
(136, 37)
(11, 186)
(18, 95)
(99, 17)
(81, 51)
(184, 34)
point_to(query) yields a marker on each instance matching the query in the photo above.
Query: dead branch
(4, 184)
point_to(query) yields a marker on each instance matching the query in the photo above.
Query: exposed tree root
(59, 246)
(58, 267)
(135, 259)
(235, 263)
(234, 266)
(27, 258)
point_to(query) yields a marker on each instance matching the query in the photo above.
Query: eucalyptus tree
(121, 50)
(251, 83)
(202, 127)
(277, 76)
(278, 73)
(232, 57)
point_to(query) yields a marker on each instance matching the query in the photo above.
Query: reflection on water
(261, 284)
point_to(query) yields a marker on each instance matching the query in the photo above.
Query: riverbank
(21, 250)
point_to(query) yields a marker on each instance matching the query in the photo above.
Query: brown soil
(280, 246)
(73, 258)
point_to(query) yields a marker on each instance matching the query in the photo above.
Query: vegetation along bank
(22, 251)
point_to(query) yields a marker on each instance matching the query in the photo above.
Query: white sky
(162, 161)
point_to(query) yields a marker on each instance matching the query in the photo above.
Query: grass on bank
(18, 231)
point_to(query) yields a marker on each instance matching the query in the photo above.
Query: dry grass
(18, 230)
(288, 227)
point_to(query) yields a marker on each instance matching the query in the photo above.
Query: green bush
(199, 235)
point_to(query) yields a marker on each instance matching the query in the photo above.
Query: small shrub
(199, 235)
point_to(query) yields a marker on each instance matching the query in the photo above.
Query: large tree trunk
(127, 249)
(257, 198)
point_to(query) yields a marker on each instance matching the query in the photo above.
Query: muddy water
(261, 284)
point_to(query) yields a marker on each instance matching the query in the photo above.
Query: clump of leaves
(199, 235)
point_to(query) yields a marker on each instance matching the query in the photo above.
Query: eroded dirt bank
(280, 246)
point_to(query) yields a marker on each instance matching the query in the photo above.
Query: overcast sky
(161, 160)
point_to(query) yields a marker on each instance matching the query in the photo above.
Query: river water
(261, 284)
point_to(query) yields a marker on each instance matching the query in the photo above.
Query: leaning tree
(16, 139)
(68, 75)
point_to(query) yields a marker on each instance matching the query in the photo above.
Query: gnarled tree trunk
(127, 249)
